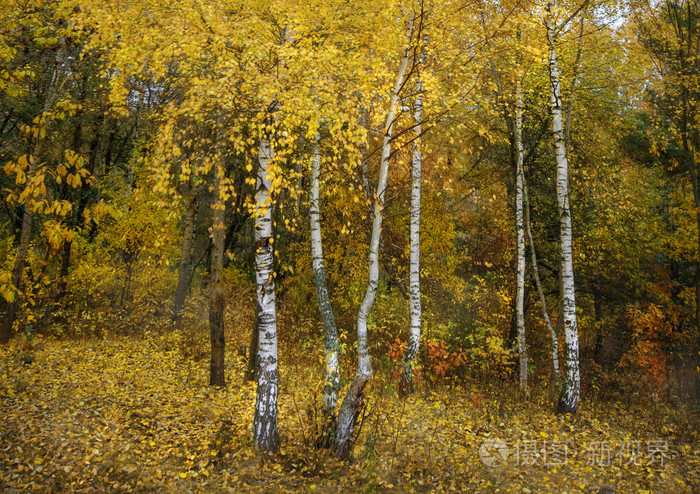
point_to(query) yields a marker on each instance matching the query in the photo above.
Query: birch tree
(414, 235)
(332, 381)
(354, 398)
(189, 221)
(520, 231)
(265, 435)
(569, 397)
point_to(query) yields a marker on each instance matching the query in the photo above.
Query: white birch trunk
(354, 398)
(364, 366)
(574, 81)
(520, 236)
(332, 383)
(414, 240)
(265, 434)
(568, 400)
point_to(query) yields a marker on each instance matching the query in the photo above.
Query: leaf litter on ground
(137, 415)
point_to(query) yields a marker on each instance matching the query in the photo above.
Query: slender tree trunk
(574, 81)
(265, 435)
(183, 279)
(251, 372)
(26, 232)
(598, 295)
(406, 386)
(216, 291)
(569, 398)
(64, 271)
(332, 381)
(554, 379)
(520, 237)
(17, 271)
(354, 399)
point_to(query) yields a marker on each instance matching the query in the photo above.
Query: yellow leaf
(183, 475)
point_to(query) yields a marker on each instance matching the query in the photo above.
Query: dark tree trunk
(63, 274)
(183, 278)
(25, 235)
(17, 271)
(216, 293)
(251, 372)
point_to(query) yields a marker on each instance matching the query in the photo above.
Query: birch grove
(344, 193)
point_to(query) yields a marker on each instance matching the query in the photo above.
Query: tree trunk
(348, 411)
(554, 376)
(406, 385)
(64, 271)
(332, 382)
(572, 92)
(347, 418)
(26, 232)
(265, 435)
(569, 398)
(251, 372)
(17, 271)
(183, 279)
(216, 291)
(520, 237)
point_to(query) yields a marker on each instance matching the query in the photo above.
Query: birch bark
(332, 383)
(520, 236)
(414, 240)
(569, 397)
(265, 435)
(353, 400)
(364, 366)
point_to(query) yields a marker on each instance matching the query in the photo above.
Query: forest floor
(137, 415)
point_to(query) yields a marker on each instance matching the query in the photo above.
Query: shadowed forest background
(341, 246)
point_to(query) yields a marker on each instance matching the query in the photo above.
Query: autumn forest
(350, 246)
